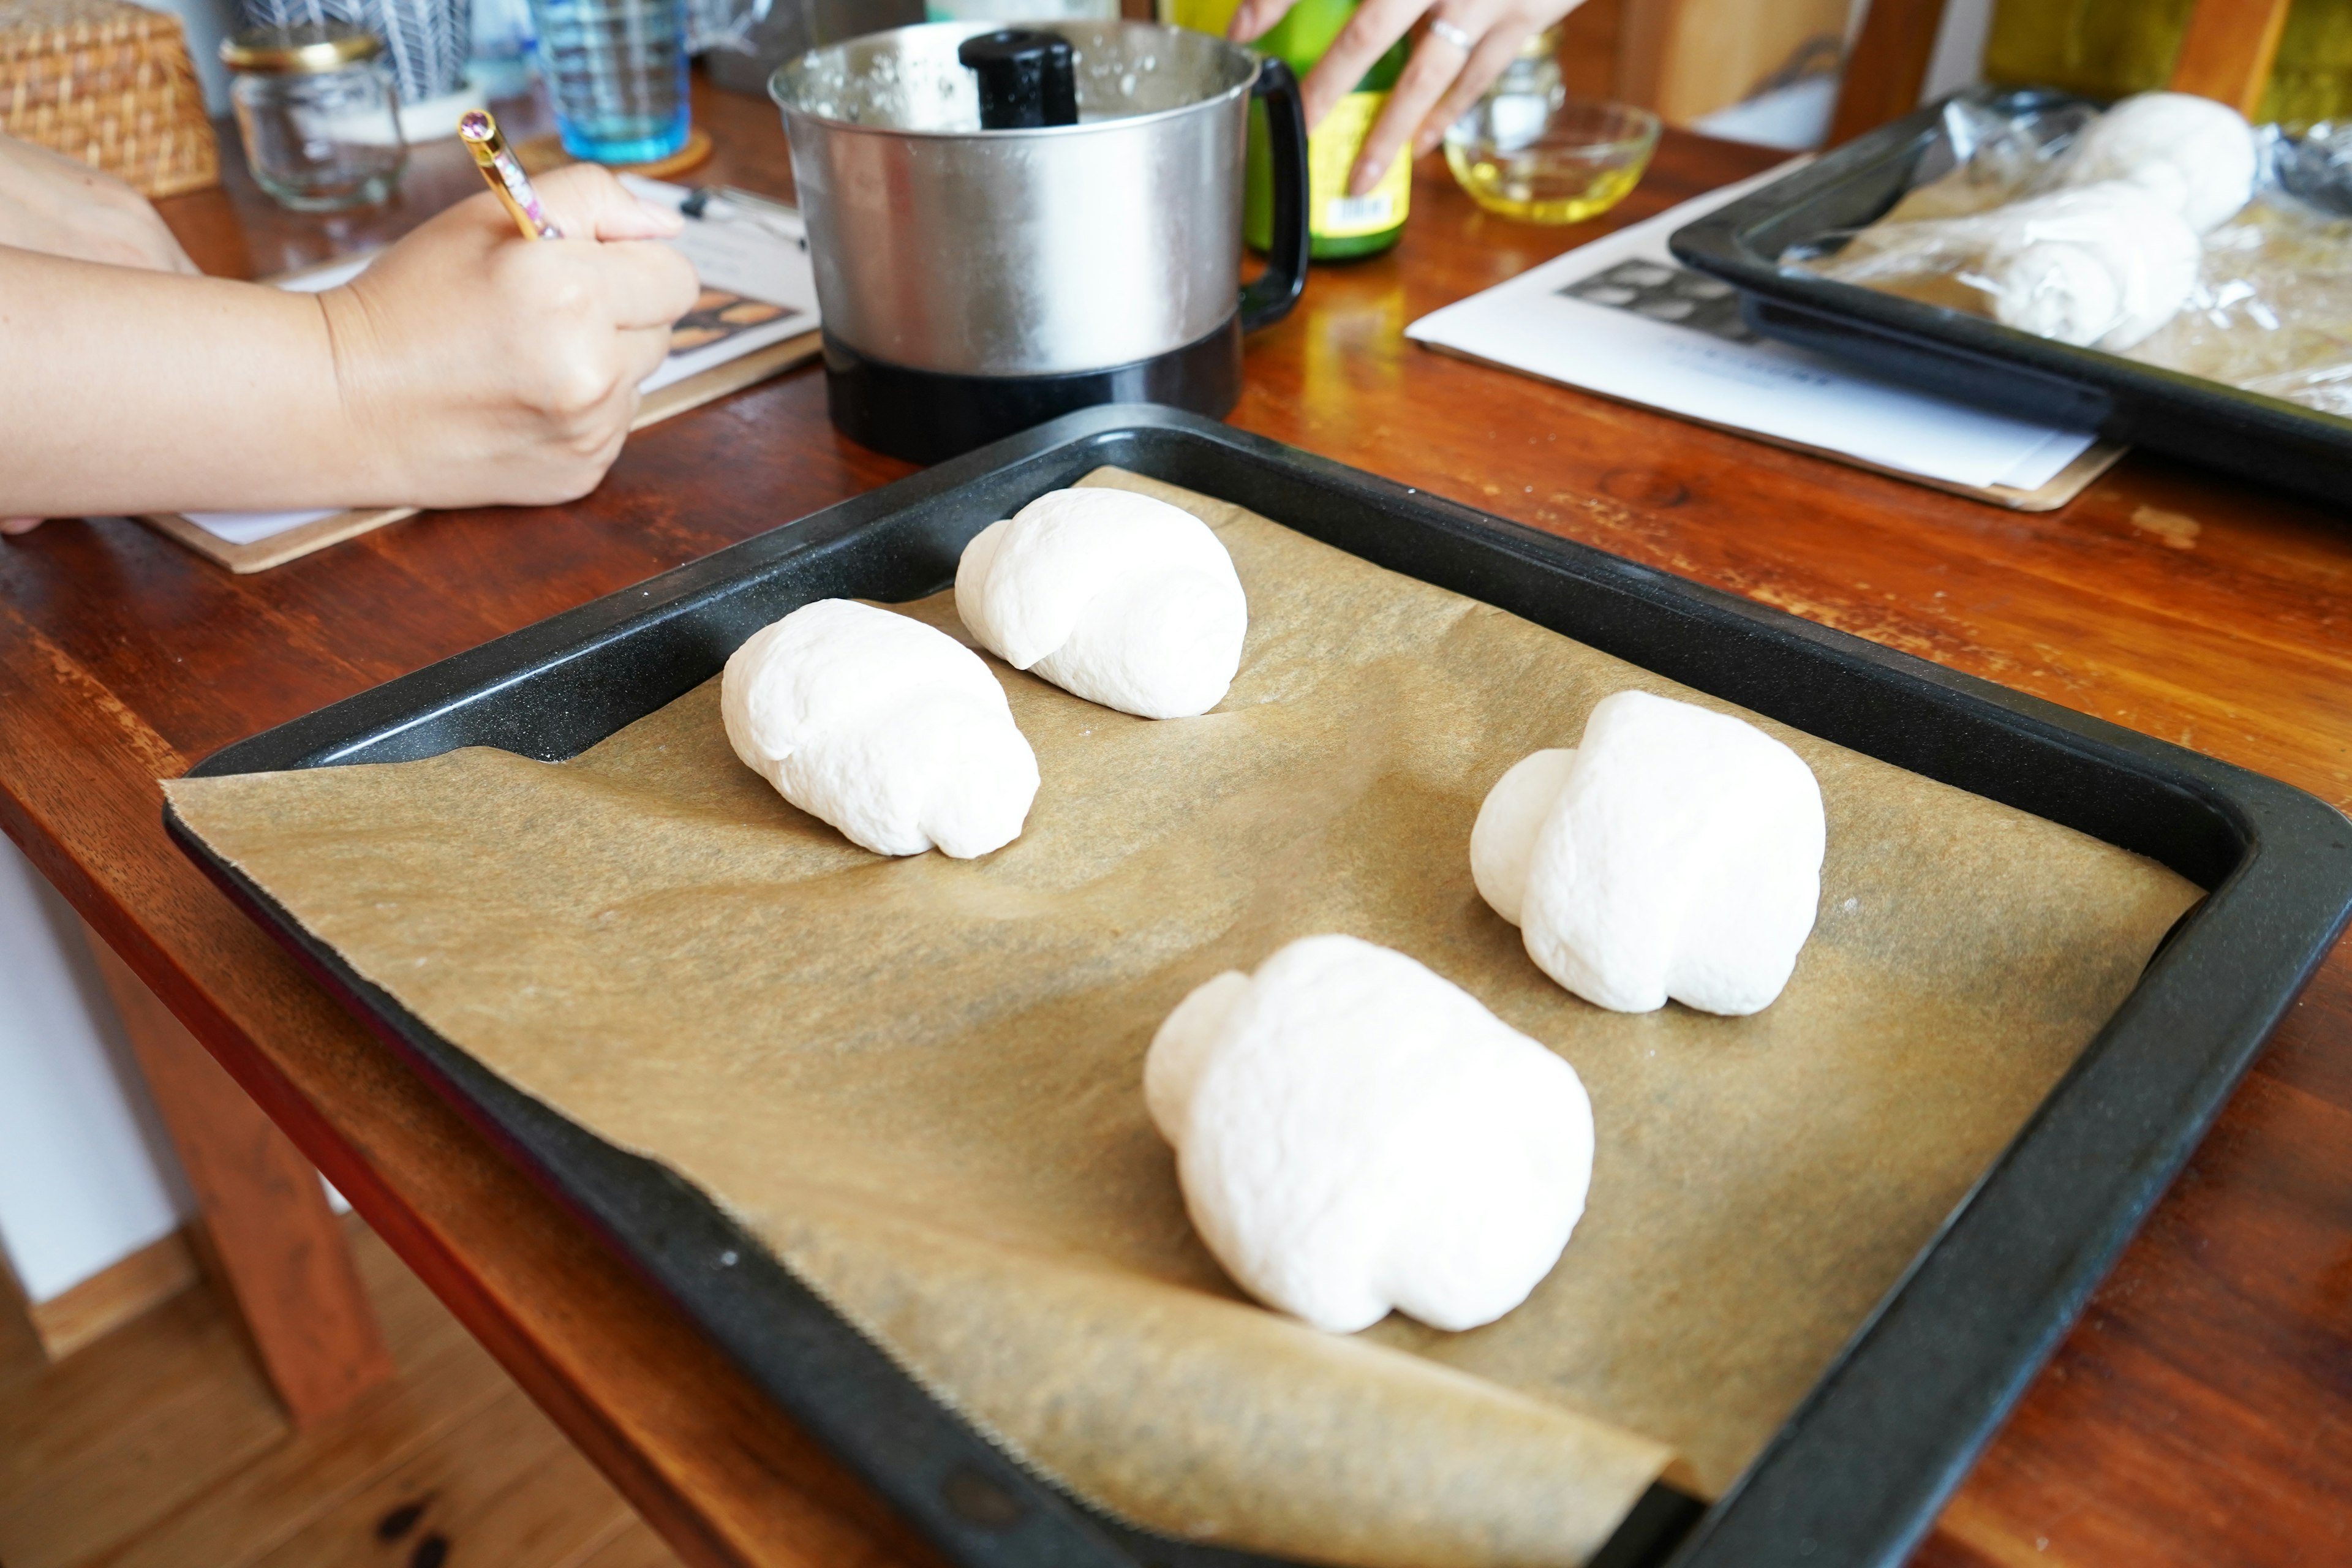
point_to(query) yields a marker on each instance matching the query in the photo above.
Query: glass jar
(1528, 92)
(318, 114)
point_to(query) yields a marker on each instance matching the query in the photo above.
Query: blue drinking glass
(615, 70)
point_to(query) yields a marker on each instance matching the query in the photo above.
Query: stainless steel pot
(1104, 256)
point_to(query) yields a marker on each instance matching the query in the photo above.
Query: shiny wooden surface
(2194, 1416)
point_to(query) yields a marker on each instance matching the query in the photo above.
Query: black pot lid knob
(1028, 78)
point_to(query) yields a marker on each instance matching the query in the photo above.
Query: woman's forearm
(466, 367)
(130, 391)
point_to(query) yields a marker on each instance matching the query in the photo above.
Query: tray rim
(1719, 244)
(1859, 1470)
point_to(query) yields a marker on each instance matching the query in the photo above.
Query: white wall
(1959, 59)
(86, 1174)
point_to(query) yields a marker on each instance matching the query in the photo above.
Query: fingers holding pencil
(496, 368)
(480, 134)
(589, 202)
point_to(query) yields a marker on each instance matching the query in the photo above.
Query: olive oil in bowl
(1536, 163)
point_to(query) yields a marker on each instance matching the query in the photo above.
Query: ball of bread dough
(1675, 852)
(1116, 597)
(2195, 155)
(1355, 1134)
(2101, 266)
(890, 730)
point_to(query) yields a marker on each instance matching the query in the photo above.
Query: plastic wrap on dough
(2271, 306)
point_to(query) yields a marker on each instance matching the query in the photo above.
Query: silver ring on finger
(1460, 37)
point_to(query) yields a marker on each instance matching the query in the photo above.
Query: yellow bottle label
(1331, 152)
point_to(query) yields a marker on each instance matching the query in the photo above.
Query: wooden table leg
(273, 1242)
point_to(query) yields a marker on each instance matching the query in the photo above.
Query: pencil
(479, 132)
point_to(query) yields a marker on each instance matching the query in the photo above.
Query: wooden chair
(2225, 55)
(1686, 58)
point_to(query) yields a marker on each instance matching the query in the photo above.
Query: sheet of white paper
(253, 527)
(765, 261)
(1648, 330)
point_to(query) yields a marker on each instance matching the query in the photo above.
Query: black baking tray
(1967, 357)
(1857, 1473)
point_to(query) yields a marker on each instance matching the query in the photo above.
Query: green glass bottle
(1338, 224)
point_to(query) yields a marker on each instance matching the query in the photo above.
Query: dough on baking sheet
(1676, 852)
(2097, 266)
(1114, 596)
(1355, 1133)
(917, 1081)
(889, 730)
(2194, 154)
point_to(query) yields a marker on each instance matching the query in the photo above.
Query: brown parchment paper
(920, 1080)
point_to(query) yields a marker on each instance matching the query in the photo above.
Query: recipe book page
(1622, 317)
(918, 1081)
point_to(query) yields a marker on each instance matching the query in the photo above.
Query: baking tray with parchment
(1916, 1381)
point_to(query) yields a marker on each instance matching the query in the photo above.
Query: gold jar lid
(304, 47)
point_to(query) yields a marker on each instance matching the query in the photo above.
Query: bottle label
(1332, 213)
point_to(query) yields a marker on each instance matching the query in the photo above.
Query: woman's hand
(1463, 49)
(60, 207)
(486, 368)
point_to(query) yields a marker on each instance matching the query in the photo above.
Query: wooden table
(2196, 1416)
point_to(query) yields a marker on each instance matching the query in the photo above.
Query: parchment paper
(920, 1080)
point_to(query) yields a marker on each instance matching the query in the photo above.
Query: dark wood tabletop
(2198, 1413)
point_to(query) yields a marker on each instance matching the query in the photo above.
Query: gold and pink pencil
(479, 132)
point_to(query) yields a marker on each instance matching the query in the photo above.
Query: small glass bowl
(1522, 158)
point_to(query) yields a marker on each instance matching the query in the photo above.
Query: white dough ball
(1356, 1134)
(2195, 155)
(1113, 596)
(1507, 823)
(1676, 852)
(2101, 266)
(889, 730)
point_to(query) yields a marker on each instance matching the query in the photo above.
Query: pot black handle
(1271, 293)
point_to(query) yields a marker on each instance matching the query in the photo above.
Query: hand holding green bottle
(1462, 50)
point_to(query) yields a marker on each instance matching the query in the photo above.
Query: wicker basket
(110, 83)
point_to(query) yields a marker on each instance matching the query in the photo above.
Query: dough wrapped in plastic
(2195, 155)
(2100, 266)
(2084, 228)
(1355, 1133)
(889, 730)
(1113, 596)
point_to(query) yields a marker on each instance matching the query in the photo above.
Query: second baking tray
(1969, 357)
(1858, 1471)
